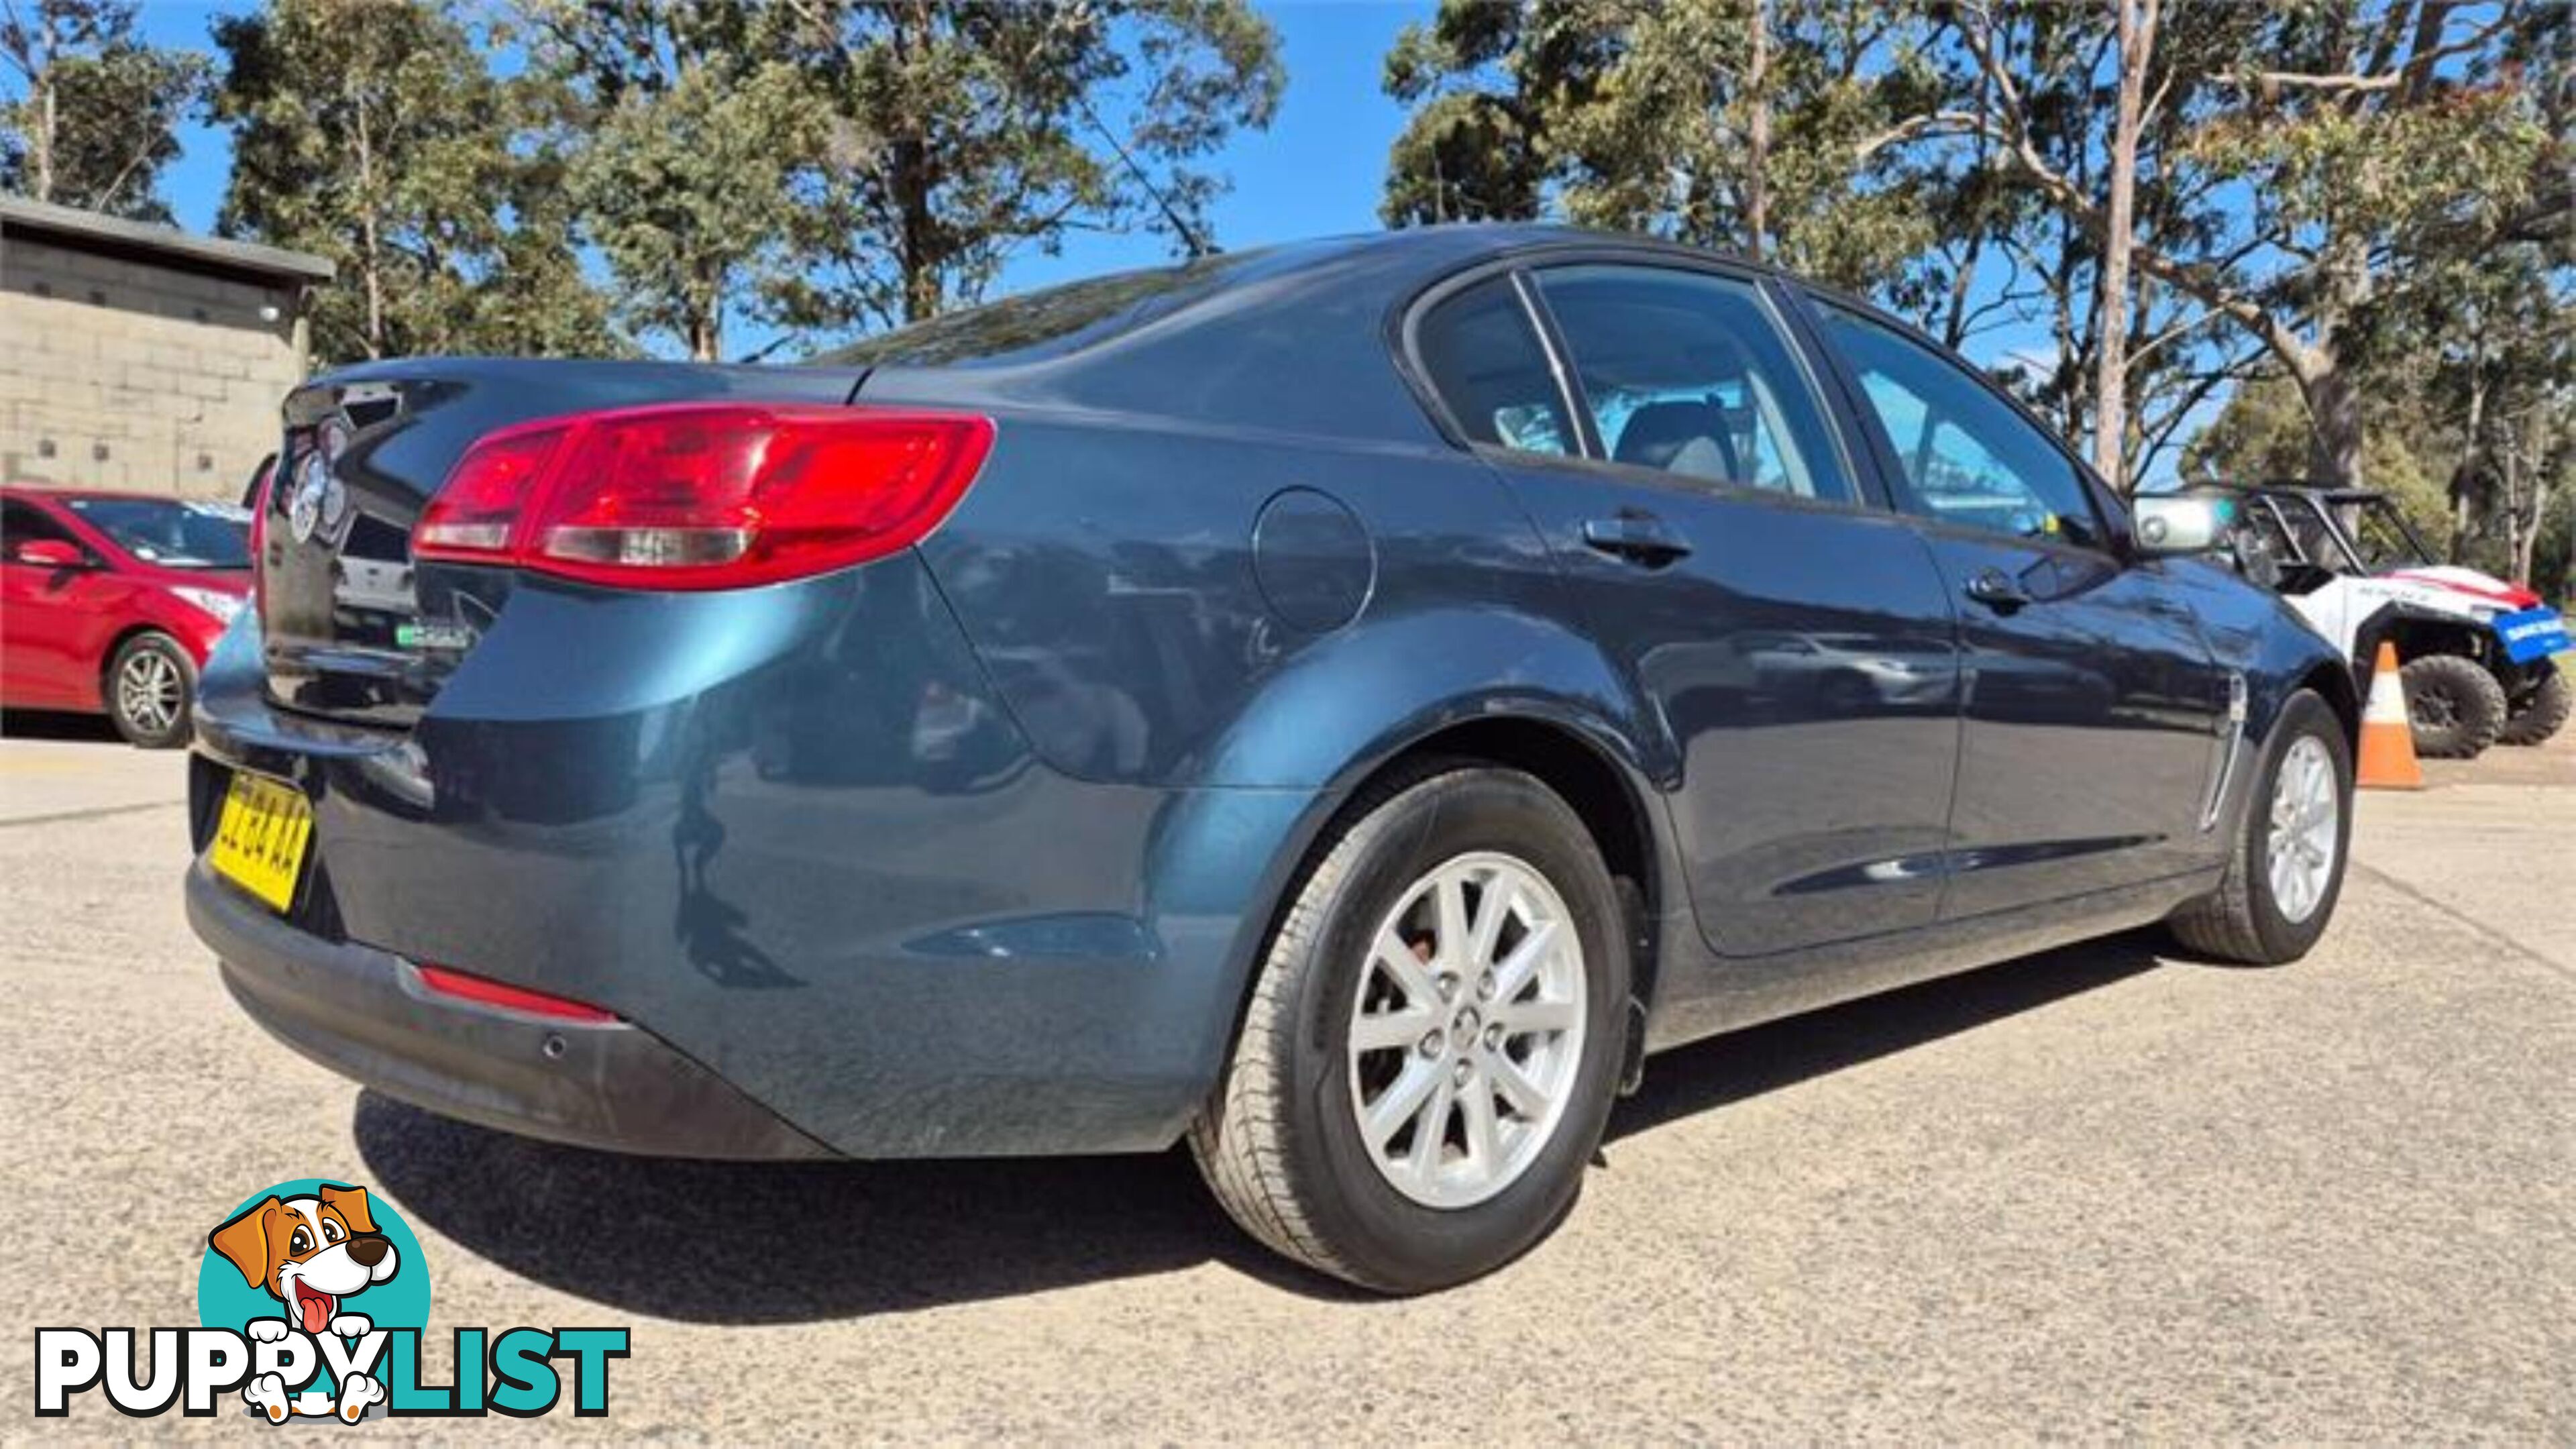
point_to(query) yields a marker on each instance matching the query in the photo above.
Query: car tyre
(150, 685)
(2456, 707)
(2247, 918)
(2543, 712)
(1281, 1142)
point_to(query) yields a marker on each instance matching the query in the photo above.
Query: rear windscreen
(1042, 324)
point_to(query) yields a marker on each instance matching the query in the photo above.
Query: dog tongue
(317, 1311)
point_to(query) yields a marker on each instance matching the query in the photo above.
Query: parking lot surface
(2107, 1191)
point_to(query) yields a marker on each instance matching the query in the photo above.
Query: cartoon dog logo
(311, 1254)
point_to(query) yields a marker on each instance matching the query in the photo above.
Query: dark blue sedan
(1343, 705)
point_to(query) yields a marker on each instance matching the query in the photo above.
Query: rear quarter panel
(1110, 581)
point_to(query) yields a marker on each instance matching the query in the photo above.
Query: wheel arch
(1609, 800)
(2334, 683)
(1583, 762)
(2415, 632)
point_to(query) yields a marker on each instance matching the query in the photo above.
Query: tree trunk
(2111, 363)
(2516, 543)
(2464, 478)
(1757, 183)
(908, 180)
(2334, 419)
(912, 198)
(706, 314)
(370, 256)
(2530, 513)
(40, 146)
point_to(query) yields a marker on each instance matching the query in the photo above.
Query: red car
(109, 602)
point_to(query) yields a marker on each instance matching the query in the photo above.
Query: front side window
(1689, 373)
(1490, 371)
(1970, 458)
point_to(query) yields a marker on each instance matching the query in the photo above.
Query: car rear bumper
(791, 836)
(363, 1013)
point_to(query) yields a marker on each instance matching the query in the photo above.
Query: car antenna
(1190, 237)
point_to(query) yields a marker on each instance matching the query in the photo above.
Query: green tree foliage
(684, 122)
(960, 134)
(372, 133)
(833, 166)
(1739, 124)
(2341, 152)
(91, 112)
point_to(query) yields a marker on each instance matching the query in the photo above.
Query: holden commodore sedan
(1344, 706)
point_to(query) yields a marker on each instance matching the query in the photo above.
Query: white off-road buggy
(2475, 652)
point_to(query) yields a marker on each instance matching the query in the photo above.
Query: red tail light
(703, 495)
(484, 991)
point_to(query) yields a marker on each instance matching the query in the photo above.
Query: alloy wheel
(149, 691)
(2299, 857)
(1467, 1030)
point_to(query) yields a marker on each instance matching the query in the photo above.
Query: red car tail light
(703, 495)
(484, 991)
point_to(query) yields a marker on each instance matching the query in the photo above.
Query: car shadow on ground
(801, 1242)
(45, 724)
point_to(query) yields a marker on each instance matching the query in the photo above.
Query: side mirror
(2165, 524)
(49, 553)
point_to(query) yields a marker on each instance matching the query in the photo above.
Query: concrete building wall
(127, 372)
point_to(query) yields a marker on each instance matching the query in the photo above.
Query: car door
(1660, 428)
(2093, 709)
(44, 615)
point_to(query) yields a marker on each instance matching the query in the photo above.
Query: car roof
(1212, 339)
(48, 490)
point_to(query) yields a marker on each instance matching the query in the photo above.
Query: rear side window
(1490, 372)
(1970, 458)
(1689, 373)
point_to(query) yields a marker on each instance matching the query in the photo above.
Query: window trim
(1405, 339)
(1773, 293)
(2110, 524)
(1589, 446)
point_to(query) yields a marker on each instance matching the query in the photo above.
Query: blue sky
(1315, 172)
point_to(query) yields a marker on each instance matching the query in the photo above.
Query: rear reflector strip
(484, 991)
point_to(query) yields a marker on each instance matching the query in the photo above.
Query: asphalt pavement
(2106, 1192)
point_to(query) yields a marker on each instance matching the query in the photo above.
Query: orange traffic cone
(2387, 739)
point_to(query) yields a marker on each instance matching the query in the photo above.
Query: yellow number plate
(259, 842)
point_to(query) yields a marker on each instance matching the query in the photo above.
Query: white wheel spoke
(1484, 1144)
(1523, 1017)
(1378, 1031)
(1514, 1086)
(1451, 950)
(1397, 960)
(1401, 1101)
(1431, 1130)
(1515, 972)
(1492, 910)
